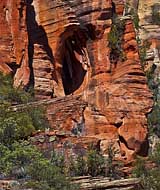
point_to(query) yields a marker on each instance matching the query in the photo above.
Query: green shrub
(14, 126)
(150, 176)
(20, 124)
(112, 169)
(140, 168)
(36, 185)
(135, 18)
(153, 83)
(154, 116)
(22, 160)
(113, 37)
(95, 163)
(48, 174)
(115, 40)
(19, 159)
(129, 10)
(143, 47)
(16, 156)
(154, 120)
(38, 117)
(155, 157)
(90, 163)
(53, 177)
(58, 159)
(10, 94)
(156, 14)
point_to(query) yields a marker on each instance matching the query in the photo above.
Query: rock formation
(149, 33)
(65, 48)
(85, 183)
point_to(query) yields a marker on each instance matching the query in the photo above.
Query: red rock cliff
(64, 48)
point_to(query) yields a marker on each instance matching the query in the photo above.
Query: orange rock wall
(62, 48)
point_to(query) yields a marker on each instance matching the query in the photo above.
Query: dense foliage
(93, 163)
(13, 95)
(152, 75)
(149, 171)
(115, 38)
(18, 158)
(15, 125)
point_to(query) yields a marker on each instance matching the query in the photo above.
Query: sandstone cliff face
(14, 40)
(149, 32)
(63, 48)
(149, 14)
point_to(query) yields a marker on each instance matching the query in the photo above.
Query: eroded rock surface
(149, 34)
(63, 48)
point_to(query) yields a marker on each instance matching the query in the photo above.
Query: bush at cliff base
(19, 159)
(150, 176)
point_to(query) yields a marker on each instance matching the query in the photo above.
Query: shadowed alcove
(74, 60)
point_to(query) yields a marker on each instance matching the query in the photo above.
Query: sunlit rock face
(149, 14)
(63, 48)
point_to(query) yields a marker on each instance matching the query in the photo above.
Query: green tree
(26, 161)
(18, 158)
(11, 94)
(115, 38)
(14, 125)
(95, 163)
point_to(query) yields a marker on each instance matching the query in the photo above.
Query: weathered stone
(104, 183)
(65, 50)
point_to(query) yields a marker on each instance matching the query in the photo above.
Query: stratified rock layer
(149, 33)
(63, 48)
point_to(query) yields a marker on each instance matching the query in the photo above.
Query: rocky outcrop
(149, 34)
(9, 185)
(87, 182)
(14, 40)
(84, 182)
(149, 19)
(68, 48)
(149, 31)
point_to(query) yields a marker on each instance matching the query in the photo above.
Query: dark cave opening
(74, 60)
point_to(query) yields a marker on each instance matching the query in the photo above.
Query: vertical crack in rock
(39, 53)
